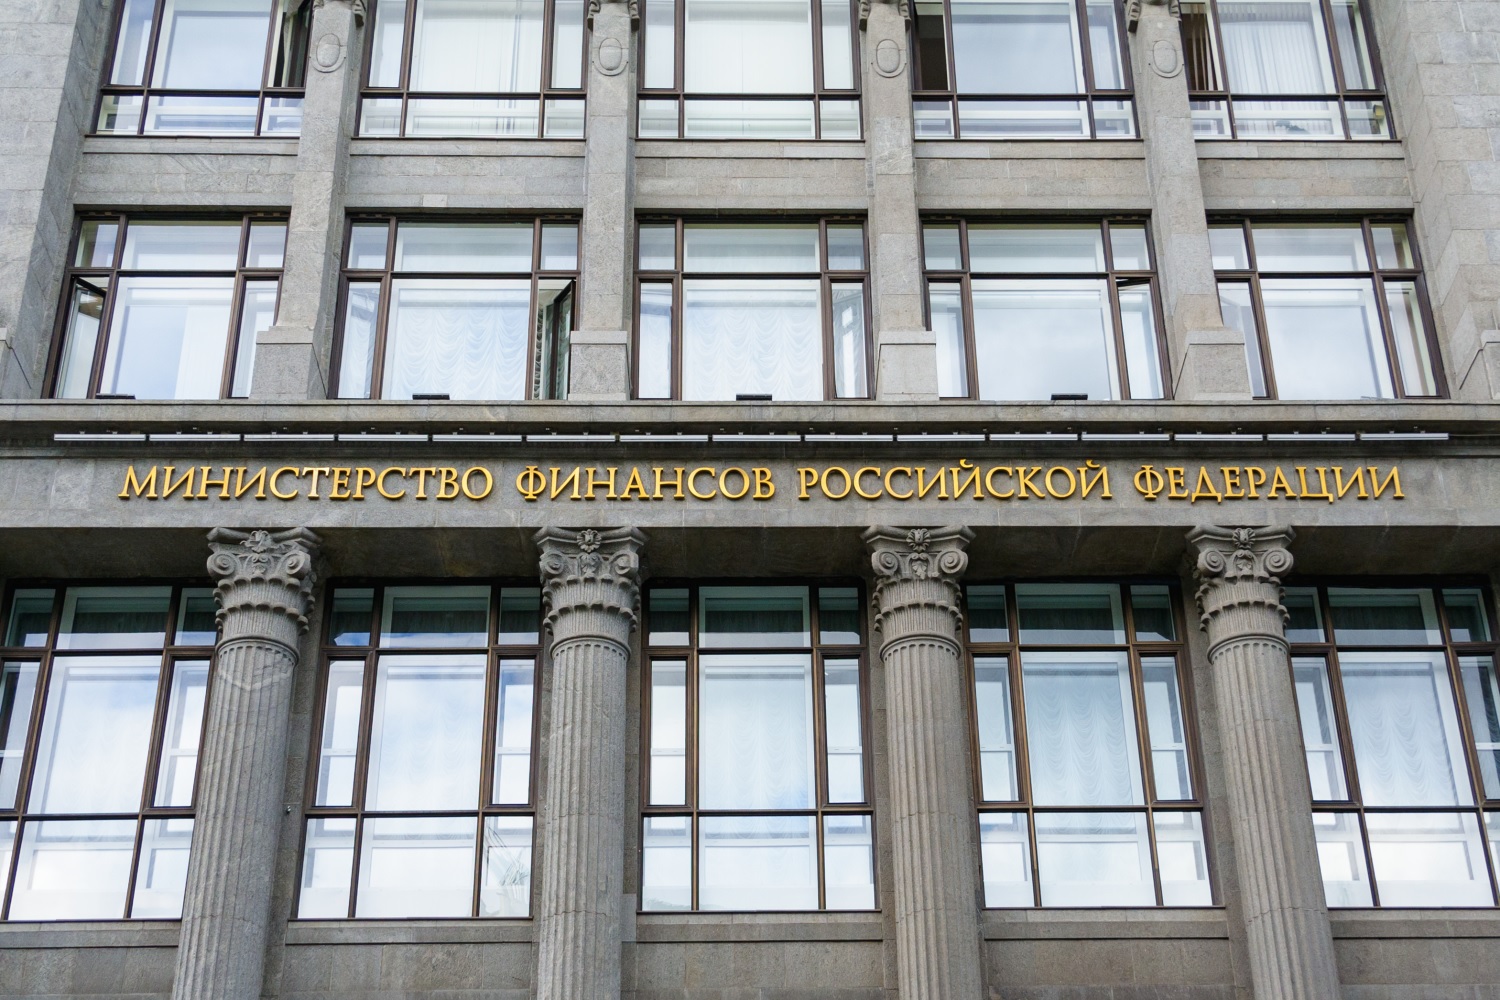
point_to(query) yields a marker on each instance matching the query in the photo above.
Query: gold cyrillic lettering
(134, 483)
(380, 483)
(1394, 479)
(489, 482)
(744, 480)
(823, 483)
(634, 482)
(1278, 482)
(1072, 482)
(692, 482)
(661, 481)
(859, 486)
(276, 481)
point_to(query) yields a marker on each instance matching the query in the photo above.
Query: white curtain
(1275, 48)
(752, 336)
(465, 337)
(1017, 47)
(748, 47)
(478, 46)
(1080, 729)
(1404, 729)
(755, 732)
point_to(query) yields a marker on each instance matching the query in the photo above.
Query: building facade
(727, 499)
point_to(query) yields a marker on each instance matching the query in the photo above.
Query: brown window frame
(1136, 650)
(1378, 275)
(172, 654)
(106, 280)
(384, 276)
(1113, 276)
(818, 653)
(827, 278)
(495, 654)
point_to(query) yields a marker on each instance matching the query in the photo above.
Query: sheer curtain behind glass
(748, 47)
(478, 46)
(465, 337)
(752, 336)
(1275, 48)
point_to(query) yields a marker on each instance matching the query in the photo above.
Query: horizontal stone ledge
(321, 932)
(1396, 924)
(657, 928)
(178, 145)
(1207, 923)
(501, 149)
(1295, 150)
(91, 934)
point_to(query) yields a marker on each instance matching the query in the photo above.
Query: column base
(906, 366)
(287, 366)
(1213, 367)
(599, 366)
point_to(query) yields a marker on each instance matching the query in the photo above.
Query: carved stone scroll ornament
(263, 571)
(916, 579)
(635, 13)
(902, 6)
(1133, 10)
(590, 571)
(356, 6)
(1239, 573)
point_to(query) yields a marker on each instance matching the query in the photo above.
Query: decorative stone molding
(590, 571)
(635, 13)
(1239, 572)
(918, 569)
(1133, 10)
(265, 571)
(356, 6)
(902, 6)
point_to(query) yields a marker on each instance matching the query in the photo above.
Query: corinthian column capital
(916, 579)
(267, 573)
(591, 581)
(1239, 573)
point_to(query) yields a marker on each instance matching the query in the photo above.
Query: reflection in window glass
(1397, 617)
(1325, 764)
(435, 616)
(416, 866)
(1482, 692)
(753, 616)
(1094, 859)
(427, 732)
(1070, 613)
(1080, 729)
(997, 739)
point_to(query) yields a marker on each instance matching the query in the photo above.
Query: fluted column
(264, 591)
(931, 815)
(1270, 803)
(591, 589)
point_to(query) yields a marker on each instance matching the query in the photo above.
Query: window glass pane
(839, 119)
(755, 732)
(133, 43)
(30, 618)
(995, 720)
(1491, 822)
(287, 66)
(182, 246)
(668, 774)
(1011, 47)
(256, 316)
(1320, 737)
(1094, 859)
(850, 367)
(120, 114)
(1341, 856)
(1238, 315)
(439, 246)
(1482, 692)
(1326, 247)
(841, 712)
(1080, 729)
(1275, 47)
(181, 733)
(196, 614)
(748, 47)
(512, 777)
(1468, 615)
(520, 615)
(554, 333)
(1168, 728)
(161, 873)
(203, 44)
(267, 245)
(838, 615)
(668, 621)
(340, 738)
(655, 364)
(560, 246)
(1326, 339)
(114, 617)
(435, 616)
(85, 310)
(563, 119)
(1385, 617)
(167, 337)
(1429, 859)
(367, 244)
(667, 863)
(1005, 859)
(846, 248)
(1227, 244)
(1354, 48)
(73, 870)
(661, 48)
(1182, 859)
(465, 337)
(1127, 245)
(848, 863)
(1142, 356)
(931, 39)
(987, 619)
(17, 697)
(202, 115)
(658, 248)
(389, 28)
(753, 616)
(1035, 249)
(758, 863)
(416, 867)
(1070, 613)
(567, 43)
(427, 732)
(463, 47)
(1037, 338)
(1304, 614)
(1151, 611)
(505, 887)
(1392, 245)
(838, 51)
(940, 248)
(1410, 335)
(946, 309)
(96, 243)
(722, 249)
(1104, 46)
(327, 863)
(1404, 729)
(349, 617)
(710, 119)
(96, 734)
(357, 355)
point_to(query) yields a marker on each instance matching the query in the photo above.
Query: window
(166, 308)
(1319, 321)
(207, 67)
(756, 784)
(503, 69)
(1021, 69)
(422, 797)
(1083, 734)
(1044, 311)
(1397, 693)
(742, 311)
(749, 69)
(457, 310)
(102, 697)
(1273, 69)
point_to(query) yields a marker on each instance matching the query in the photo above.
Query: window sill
(477, 930)
(233, 145)
(459, 146)
(89, 934)
(1383, 924)
(810, 925)
(1123, 923)
(1029, 149)
(1300, 149)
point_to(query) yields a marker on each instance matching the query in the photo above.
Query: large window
(1036, 312)
(207, 67)
(422, 791)
(166, 308)
(1083, 734)
(739, 311)
(1021, 69)
(102, 697)
(503, 69)
(457, 310)
(1400, 709)
(1334, 310)
(756, 785)
(1283, 69)
(749, 69)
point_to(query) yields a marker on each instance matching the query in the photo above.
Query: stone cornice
(269, 571)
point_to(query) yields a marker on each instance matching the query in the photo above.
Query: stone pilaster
(1270, 804)
(264, 591)
(931, 818)
(905, 349)
(591, 590)
(599, 355)
(292, 357)
(1208, 359)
